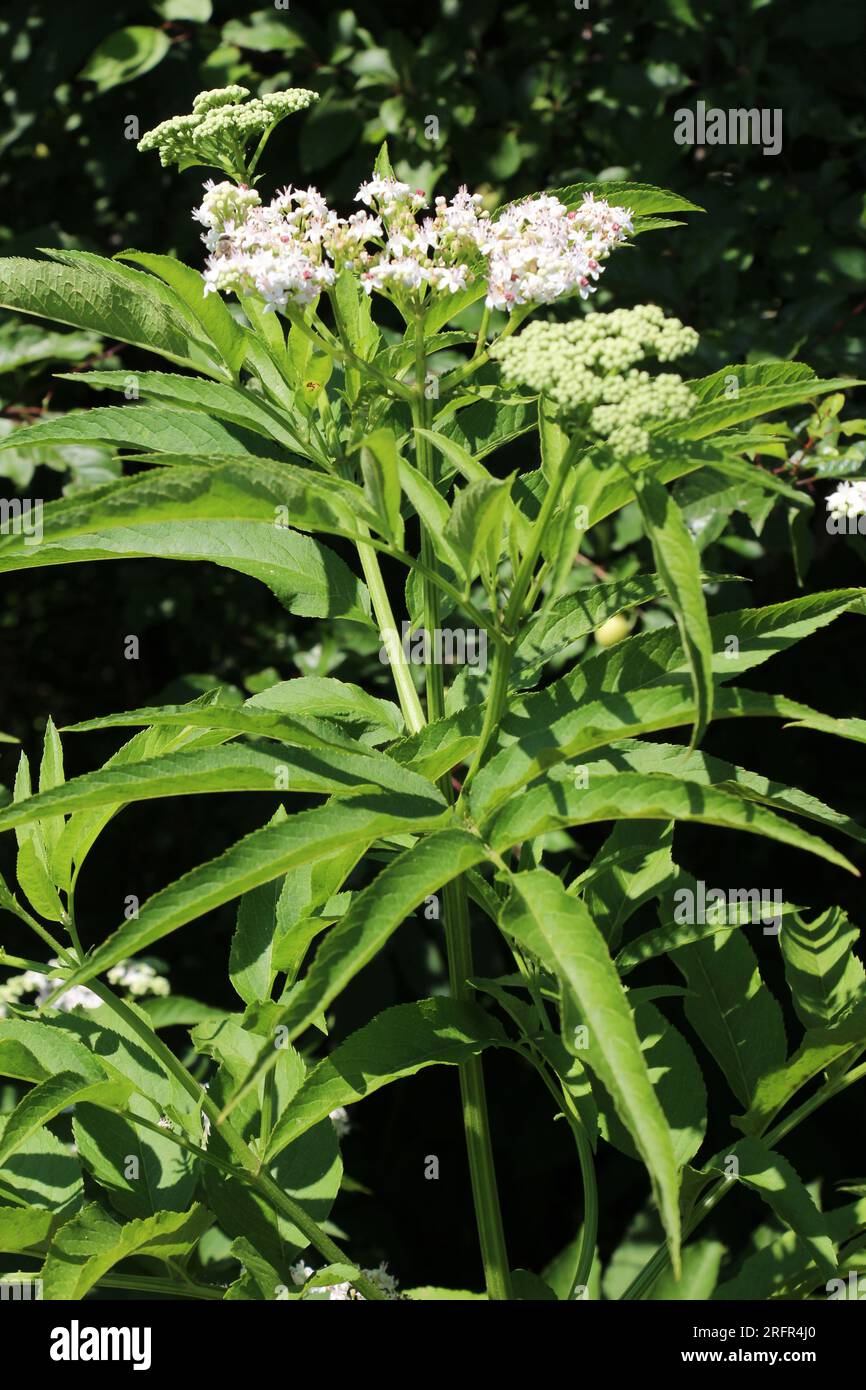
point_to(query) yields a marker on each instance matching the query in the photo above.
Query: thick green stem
(458, 939)
(406, 692)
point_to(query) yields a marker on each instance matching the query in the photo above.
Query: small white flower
(849, 499)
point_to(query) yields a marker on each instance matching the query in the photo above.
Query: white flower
(340, 1120)
(849, 499)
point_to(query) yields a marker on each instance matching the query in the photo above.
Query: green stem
(458, 939)
(406, 692)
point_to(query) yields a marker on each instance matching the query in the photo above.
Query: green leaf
(731, 1010)
(558, 929)
(89, 1245)
(678, 563)
(824, 975)
(380, 468)
(375, 914)
(475, 527)
(774, 1269)
(677, 1081)
(143, 427)
(48, 1098)
(772, 1176)
(259, 857)
(84, 296)
(44, 1173)
(720, 412)
(208, 311)
(559, 803)
(396, 1044)
(633, 865)
(142, 1172)
(233, 768)
(125, 55)
(644, 199)
(25, 1229)
(552, 631)
(304, 575)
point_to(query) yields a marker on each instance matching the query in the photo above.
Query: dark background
(528, 96)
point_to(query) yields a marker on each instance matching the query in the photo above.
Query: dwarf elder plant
(295, 409)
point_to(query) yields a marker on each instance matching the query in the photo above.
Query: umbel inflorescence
(588, 369)
(220, 127)
(289, 250)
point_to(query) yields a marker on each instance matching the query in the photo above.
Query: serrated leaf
(92, 1243)
(395, 1044)
(558, 929)
(824, 975)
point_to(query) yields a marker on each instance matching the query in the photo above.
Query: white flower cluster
(222, 121)
(340, 1120)
(849, 499)
(343, 1293)
(588, 369)
(13, 990)
(290, 250)
(136, 977)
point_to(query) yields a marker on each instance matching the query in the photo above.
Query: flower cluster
(220, 126)
(342, 1293)
(292, 249)
(588, 368)
(138, 978)
(13, 991)
(849, 500)
(135, 977)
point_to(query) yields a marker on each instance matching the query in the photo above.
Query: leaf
(209, 311)
(559, 803)
(641, 198)
(678, 563)
(731, 1010)
(89, 1245)
(375, 914)
(775, 1267)
(141, 426)
(34, 1051)
(44, 1173)
(824, 975)
(24, 1229)
(380, 468)
(772, 1176)
(85, 297)
(677, 1081)
(395, 1044)
(558, 929)
(720, 412)
(257, 858)
(141, 1171)
(234, 768)
(633, 865)
(125, 55)
(199, 397)
(474, 528)
(550, 632)
(303, 574)
(47, 1099)
(821, 1049)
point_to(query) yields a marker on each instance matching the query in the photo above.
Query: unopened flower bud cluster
(588, 368)
(221, 123)
(293, 248)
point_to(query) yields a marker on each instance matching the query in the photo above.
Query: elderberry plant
(307, 398)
